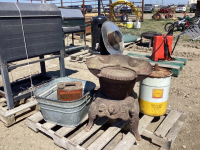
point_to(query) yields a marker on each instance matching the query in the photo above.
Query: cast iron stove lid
(117, 73)
(97, 63)
(159, 72)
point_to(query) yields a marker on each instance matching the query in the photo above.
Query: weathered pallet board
(175, 65)
(80, 56)
(109, 135)
(22, 111)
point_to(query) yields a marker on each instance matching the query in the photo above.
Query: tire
(168, 26)
(124, 17)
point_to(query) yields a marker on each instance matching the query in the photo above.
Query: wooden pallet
(81, 56)
(23, 110)
(175, 65)
(109, 134)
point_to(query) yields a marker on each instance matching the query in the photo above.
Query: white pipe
(43, 1)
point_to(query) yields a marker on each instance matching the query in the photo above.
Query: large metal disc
(112, 38)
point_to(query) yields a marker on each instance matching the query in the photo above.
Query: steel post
(6, 85)
(43, 1)
(62, 63)
(42, 65)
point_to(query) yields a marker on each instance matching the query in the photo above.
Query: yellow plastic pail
(129, 25)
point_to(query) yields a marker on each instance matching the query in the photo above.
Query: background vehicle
(181, 8)
(180, 25)
(193, 8)
(148, 8)
(107, 8)
(183, 23)
(88, 8)
(126, 9)
(74, 7)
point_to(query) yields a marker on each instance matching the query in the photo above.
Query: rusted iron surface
(127, 109)
(166, 12)
(159, 72)
(69, 91)
(118, 73)
(157, 16)
(117, 76)
(141, 67)
(117, 82)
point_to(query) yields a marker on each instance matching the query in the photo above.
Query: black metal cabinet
(28, 30)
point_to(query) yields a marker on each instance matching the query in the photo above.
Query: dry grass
(157, 26)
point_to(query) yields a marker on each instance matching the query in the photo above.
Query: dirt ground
(184, 96)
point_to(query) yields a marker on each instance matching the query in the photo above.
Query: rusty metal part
(141, 67)
(117, 82)
(166, 12)
(159, 72)
(127, 109)
(157, 16)
(118, 73)
(69, 91)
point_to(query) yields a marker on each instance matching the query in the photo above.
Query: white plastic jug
(137, 24)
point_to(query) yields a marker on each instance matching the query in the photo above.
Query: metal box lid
(28, 10)
(71, 13)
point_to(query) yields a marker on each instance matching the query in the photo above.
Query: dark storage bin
(41, 25)
(97, 40)
(72, 17)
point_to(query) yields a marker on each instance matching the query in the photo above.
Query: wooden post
(110, 2)
(142, 10)
(61, 3)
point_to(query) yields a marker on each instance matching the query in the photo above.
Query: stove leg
(134, 121)
(92, 113)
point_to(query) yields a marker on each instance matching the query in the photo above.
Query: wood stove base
(127, 109)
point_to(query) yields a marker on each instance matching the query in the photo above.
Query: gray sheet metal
(71, 13)
(10, 10)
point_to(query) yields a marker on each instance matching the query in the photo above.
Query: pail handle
(88, 97)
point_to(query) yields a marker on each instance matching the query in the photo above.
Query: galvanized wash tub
(65, 113)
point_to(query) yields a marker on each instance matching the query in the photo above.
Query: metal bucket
(65, 113)
(154, 96)
(154, 91)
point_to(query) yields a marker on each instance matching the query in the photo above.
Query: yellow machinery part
(120, 24)
(124, 2)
